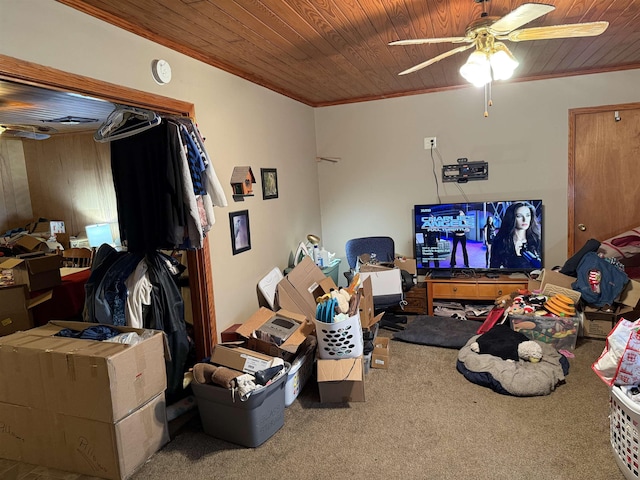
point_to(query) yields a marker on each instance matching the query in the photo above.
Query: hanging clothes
(149, 189)
(109, 288)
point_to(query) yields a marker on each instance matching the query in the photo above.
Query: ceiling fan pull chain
(486, 112)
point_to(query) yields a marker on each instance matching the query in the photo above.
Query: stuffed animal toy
(507, 344)
(343, 297)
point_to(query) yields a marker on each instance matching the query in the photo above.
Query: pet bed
(521, 378)
(444, 332)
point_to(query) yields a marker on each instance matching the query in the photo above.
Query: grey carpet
(421, 420)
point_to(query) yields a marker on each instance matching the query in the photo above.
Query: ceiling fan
(27, 131)
(487, 33)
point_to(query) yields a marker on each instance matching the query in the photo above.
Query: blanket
(519, 378)
(438, 331)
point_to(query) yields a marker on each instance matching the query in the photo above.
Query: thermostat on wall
(161, 71)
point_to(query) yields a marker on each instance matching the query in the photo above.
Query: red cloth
(66, 302)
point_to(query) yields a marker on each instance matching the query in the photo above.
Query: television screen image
(504, 235)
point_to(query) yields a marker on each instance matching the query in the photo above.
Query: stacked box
(86, 406)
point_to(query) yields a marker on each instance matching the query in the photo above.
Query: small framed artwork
(240, 232)
(269, 183)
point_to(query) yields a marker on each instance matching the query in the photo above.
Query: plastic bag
(619, 363)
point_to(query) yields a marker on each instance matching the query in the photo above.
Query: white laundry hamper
(624, 418)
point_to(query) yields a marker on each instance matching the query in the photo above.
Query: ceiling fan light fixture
(503, 63)
(477, 69)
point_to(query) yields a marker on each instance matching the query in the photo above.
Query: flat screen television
(456, 236)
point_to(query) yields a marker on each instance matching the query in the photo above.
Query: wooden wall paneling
(70, 179)
(15, 200)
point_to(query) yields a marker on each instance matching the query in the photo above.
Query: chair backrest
(77, 257)
(383, 247)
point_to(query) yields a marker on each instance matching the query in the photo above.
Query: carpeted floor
(421, 420)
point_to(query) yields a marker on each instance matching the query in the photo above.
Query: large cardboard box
(95, 380)
(15, 308)
(38, 271)
(341, 381)
(298, 290)
(76, 444)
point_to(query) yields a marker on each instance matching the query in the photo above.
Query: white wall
(243, 124)
(385, 169)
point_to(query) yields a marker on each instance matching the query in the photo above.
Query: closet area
(144, 170)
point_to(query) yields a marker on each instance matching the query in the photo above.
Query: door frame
(573, 115)
(198, 261)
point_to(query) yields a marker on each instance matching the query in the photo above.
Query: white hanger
(116, 125)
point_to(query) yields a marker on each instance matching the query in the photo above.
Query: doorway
(198, 261)
(604, 147)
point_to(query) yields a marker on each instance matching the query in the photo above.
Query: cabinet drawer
(454, 290)
(494, 290)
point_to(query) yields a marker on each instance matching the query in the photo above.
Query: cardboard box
(291, 345)
(381, 353)
(240, 359)
(630, 295)
(406, 264)
(298, 290)
(37, 271)
(75, 444)
(15, 308)
(553, 283)
(341, 381)
(29, 244)
(95, 380)
(384, 282)
(367, 312)
(596, 328)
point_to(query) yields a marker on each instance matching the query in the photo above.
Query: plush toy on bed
(503, 342)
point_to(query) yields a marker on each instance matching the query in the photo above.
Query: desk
(471, 288)
(67, 300)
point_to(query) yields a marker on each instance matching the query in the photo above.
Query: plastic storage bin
(625, 418)
(339, 340)
(249, 423)
(300, 372)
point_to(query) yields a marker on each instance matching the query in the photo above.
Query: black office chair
(384, 250)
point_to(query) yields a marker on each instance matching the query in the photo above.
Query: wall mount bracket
(464, 171)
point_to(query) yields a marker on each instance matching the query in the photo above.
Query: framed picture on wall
(269, 183)
(240, 232)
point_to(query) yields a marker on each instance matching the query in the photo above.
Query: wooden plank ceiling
(328, 52)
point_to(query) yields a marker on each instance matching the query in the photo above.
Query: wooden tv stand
(471, 288)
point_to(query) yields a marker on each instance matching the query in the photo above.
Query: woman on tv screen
(517, 242)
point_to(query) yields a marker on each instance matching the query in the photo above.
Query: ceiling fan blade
(569, 30)
(420, 41)
(436, 59)
(523, 14)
